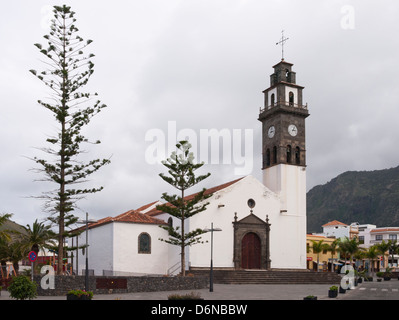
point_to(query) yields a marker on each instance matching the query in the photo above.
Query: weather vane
(282, 41)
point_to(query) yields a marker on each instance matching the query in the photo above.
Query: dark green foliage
(22, 288)
(181, 170)
(356, 196)
(68, 71)
(187, 296)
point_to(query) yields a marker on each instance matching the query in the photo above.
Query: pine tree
(181, 170)
(68, 70)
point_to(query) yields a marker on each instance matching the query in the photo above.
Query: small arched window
(144, 243)
(274, 154)
(289, 154)
(170, 222)
(297, 155)
(272, 100)
(291, 98)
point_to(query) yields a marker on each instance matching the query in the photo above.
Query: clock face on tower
(271, 132)
(292, 130)
(283, 125)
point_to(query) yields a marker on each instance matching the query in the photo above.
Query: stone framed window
(144, 243)
(297, 155)
(274, 154)
(268, 157)
(289, 154)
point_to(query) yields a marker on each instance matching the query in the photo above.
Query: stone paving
(385, 290)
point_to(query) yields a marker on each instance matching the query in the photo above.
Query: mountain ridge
(356, 196)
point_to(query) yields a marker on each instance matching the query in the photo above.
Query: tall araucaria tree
(68, 71)
(181, 170)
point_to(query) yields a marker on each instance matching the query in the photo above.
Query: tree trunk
(183, 240)
(16, 267)
(62, 162)
(3, 268)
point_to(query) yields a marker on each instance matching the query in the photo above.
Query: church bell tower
(284, 162)
(283, 139)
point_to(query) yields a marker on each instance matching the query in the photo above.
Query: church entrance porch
(250, 251)
(251, 243)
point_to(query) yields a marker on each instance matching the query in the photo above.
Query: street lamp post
(87, 221)
(211, 230)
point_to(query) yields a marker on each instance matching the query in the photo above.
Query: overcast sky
(167, 65)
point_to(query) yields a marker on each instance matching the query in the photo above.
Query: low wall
(105, 285)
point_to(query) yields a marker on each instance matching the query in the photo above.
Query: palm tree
(5, 239)
(382, 248)
(38, 238)
(16, 253)
(3, 254)
(10, 251)
(349, 247)
(343, 247)
(333, 248)
(4, 233)
(318, 247)
(372, 254)
(360, 254)
(353, 247)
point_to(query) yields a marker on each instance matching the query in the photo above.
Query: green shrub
(188, 296)
(80, 293)
(334, 288)
(21, 288)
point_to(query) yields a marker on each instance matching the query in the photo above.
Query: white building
(127, 243)
(365, 235)
(130, 242)
(386, 234)
(339, 230)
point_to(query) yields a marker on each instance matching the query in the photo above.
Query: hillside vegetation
(356, 196)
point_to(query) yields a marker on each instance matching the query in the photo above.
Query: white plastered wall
(221, 210)
(289, 182)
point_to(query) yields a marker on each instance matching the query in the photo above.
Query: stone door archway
(251, 243)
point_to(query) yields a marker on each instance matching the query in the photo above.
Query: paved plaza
(385, 290)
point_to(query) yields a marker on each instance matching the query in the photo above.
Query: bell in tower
(283, 119)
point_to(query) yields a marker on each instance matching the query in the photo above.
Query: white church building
(263, 224)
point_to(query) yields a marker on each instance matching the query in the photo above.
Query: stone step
(270, 277)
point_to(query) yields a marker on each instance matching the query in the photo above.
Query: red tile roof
(334, 223)
(155, 211)
(385, 230)
(135, 216)
(146, 206)
(131, 216)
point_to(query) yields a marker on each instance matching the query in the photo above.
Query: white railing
(285, 104)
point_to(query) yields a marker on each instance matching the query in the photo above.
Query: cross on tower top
(282, 41)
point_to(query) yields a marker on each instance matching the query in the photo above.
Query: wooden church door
(250, 251)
